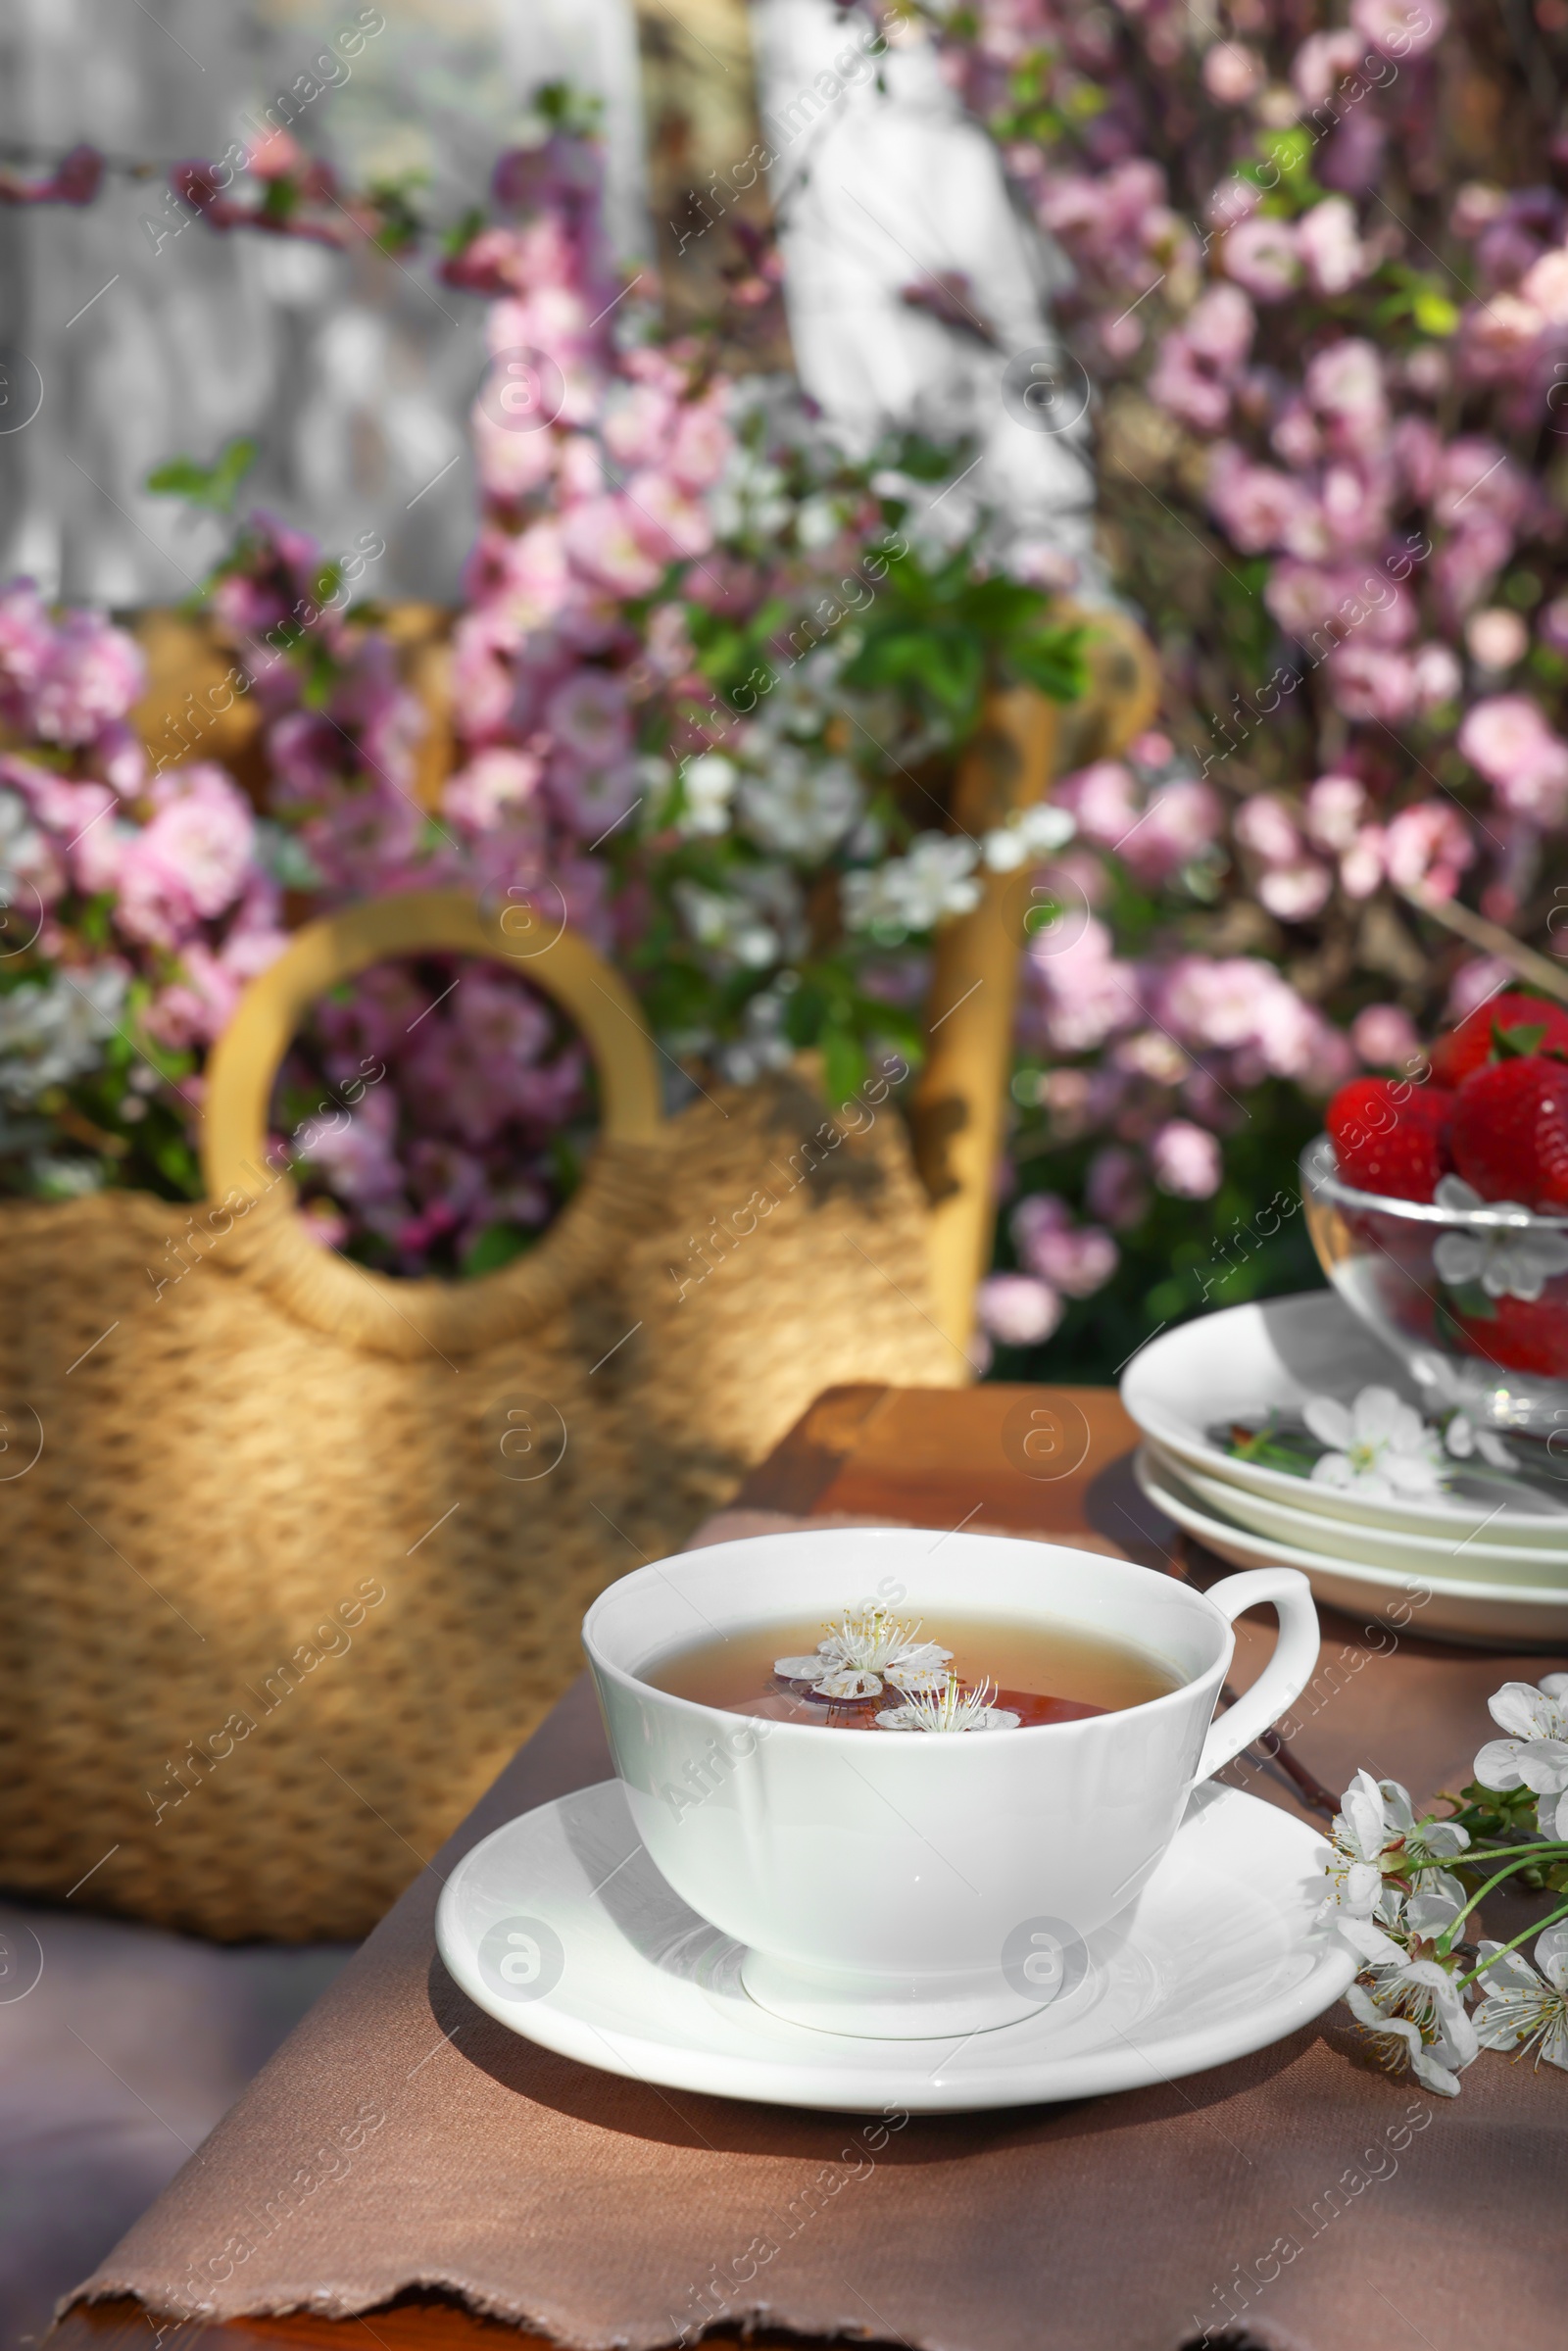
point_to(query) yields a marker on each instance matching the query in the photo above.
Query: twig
(1311, 1791)
(1494, 939)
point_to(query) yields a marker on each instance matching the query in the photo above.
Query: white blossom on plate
(1514, 1259)
(1380, 1446)
(949, 1709)
(912, 893)
(1522, 2009)
(1464, 1437)
(1535, 1755)
(863, 1651)
(800, 806)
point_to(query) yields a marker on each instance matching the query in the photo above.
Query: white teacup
(904, 1884)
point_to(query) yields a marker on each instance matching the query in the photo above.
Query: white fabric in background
(886, 186)
(354, 371)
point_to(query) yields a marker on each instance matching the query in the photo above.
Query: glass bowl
(1473, 1300)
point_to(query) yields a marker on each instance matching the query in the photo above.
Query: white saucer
(1485, 1615)
(1470, 1559)
(1217, 1957)
(1241, 1361)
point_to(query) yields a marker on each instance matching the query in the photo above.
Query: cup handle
(1286, 1673)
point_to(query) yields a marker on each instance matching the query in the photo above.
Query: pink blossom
(1553, 624)
(1330, 246)
(1183, 818)
(27, 645)
(196, 1007)
(1264, 825)
(1400, 28)
(1297, 892)
(1016, 1310)
(482, 684)
(600, 537)
(1477, 481)
(1507, 739)
(1186, 1160)
(1261, 256)
(591, 799)
(1191, 393)
(511, 464)
(1468, 565)
(92, 675)
(1545, 286)
(639, 422)
(1212, 1003)
(1385, 1038)
(358, 1157)
(116, 754)
(191, 860)
(308, 755)
(1323, 61)
(1219, 328)
(1438, 676)
(664, 519)
(494, 785)
(1116, 1189)
(1372, 681)
(1257, 506)
(1496, 637)
(1475, 981)
(1232, 72)
(1294, 435)
(1416, 447)
(588, 718)
(1076, 1261)
(701, 445)
(1361, 866)
(1345, 384)
(1103, 798)
(1086, 994)
(1334, 808)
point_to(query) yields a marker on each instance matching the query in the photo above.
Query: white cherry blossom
(1535, 1753)
(1412, 2011)
(1380, 1446)
(1522, 2009)
(861, 1652)
(1376, 1819)
(951, 1707)
(1514, 1255)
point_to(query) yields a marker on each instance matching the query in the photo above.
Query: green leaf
(214, 485)
(1517, 1044)
(1434, 313)
(843, 1063)
(497, 1246)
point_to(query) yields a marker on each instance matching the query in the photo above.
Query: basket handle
(401, 1317)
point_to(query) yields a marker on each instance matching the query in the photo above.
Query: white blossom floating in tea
(1004, 1673)
(950, 1708)
(863, 1651)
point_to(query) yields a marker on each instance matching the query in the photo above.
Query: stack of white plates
(1485, 1563)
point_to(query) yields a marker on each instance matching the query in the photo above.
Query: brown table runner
(401, 2139)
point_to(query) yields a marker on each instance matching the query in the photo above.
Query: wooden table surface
(1050, 1461)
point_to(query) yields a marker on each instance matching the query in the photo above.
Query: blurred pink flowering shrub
(1319, 280)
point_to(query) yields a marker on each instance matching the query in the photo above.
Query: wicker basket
(295, 1555)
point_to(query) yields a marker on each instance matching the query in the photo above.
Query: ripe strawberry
(1392, 1138)
(1510, 1131)
(1474, 1042)
(1522, 1335)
